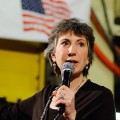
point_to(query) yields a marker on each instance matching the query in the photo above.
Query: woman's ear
(88, 61)
(53, 57)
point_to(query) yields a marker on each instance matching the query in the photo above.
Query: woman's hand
(65, 96)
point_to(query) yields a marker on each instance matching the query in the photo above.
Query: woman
(70, 41)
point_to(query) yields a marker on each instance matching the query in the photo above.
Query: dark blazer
(92, 101)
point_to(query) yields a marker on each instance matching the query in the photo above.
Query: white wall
(99, 73)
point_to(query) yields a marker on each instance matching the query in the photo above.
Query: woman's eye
(81, 44)
(65, 43)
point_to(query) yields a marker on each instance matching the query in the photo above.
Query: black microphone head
(68, 66)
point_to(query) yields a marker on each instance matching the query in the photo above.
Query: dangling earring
(54, 65)
(86, 67)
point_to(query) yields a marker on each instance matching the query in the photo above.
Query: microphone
(67, 70)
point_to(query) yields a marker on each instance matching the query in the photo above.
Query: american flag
(42, 15)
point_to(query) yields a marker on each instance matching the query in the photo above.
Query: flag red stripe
(37, 23)
(59, 1)
(39, 30)
(36, 17)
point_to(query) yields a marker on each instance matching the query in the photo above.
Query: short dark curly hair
(78, 28)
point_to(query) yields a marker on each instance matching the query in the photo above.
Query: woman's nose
(71, 51)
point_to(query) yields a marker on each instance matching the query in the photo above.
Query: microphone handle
(66, 78)
(61, 108)
(65, 81)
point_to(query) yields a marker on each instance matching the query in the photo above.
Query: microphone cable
(43, 117)
(57, 116)
(46, 108)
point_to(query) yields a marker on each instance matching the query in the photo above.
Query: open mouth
(72, 61)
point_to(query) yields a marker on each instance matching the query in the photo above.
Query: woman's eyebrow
(65, 39)
(81, 39)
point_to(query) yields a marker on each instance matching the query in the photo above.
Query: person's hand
(65, 96)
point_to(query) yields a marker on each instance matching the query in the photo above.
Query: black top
(92, 101)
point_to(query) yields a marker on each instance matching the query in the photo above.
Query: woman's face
(71, 48)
